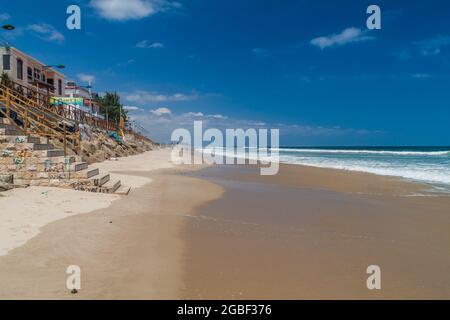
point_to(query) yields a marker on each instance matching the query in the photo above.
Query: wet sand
(311, 233)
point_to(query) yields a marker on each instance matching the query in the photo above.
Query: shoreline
(354, 181)
(171, 237)
(306, 234)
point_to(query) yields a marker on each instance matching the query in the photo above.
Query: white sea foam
(423, 166)
(430, 173)
(375, 152)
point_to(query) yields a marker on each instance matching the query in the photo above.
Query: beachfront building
(30, 72)
(73, 90)
(30, 76)
(81, 97)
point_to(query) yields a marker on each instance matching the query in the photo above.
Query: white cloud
(131, 108)
(161, 122)
(121, 10)
(348, 35)
(432, 47)
(146, 44)
(4, 16)
(86, 77)
(195, 114)
(204, 116)
(142, 97)
(217, 116)
(161, 112)
(47, 32)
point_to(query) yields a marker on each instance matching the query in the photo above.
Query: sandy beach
(310, 233)
(126, 246)
(192, 151)
(21, 219)
(226, 233)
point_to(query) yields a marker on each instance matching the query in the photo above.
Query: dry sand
(25, 211)
(131, 249)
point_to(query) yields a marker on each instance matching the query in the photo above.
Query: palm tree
(111, 107)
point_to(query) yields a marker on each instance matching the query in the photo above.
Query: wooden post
(122, 123)
(8, 103)
(107, 119)
(79, 140)
(25, 122)
(37, 93)
(65, 141)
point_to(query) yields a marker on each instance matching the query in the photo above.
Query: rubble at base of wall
(6, 182)
(99, 145)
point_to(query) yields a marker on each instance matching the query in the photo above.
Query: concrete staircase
(33, 161)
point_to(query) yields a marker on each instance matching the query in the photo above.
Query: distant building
(80, 97)
(73, 90)
(30, 72)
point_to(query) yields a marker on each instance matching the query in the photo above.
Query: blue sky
(310, 68)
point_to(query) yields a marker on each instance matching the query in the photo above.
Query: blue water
(423, 164)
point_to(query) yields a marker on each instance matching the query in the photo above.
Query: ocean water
(429, 165)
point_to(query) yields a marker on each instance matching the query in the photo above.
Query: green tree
(6, 80)
(111, 107)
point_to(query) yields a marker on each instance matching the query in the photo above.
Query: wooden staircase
(33, 161)
(28, 120)
(28, 116)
